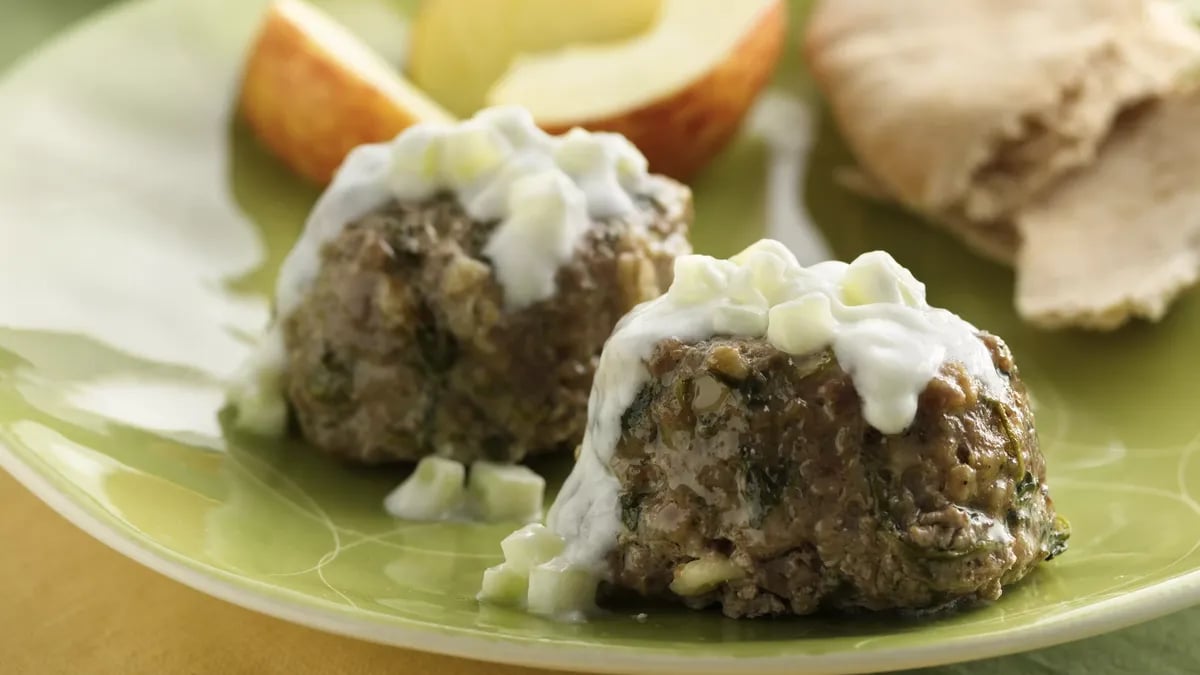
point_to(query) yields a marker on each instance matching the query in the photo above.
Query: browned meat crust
(404, 347)
(737, 449)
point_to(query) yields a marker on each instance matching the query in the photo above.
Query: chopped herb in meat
(404, 344)
(631, 509)
(637, 411)
(820, 510)
(763, 483)
(1059, 535)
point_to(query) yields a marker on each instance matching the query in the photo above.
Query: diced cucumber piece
(767, 262)
(701, 576)
(875, 277)
(746, 320)
(699, 278)
(561, 590)
(434, 491)
(503, 585)
(506, 492)
(469, 151)
(802, 326)
(531, 546)
(261, 413)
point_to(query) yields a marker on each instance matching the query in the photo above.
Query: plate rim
(1108, 615)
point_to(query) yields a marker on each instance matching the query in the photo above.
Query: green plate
(141, 231)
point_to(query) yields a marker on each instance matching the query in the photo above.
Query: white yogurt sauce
(787, 127)
(545, 191)
(871, 312)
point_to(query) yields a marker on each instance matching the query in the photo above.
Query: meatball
(404, 347)
(737, 452)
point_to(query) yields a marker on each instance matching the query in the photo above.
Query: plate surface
(141, 231)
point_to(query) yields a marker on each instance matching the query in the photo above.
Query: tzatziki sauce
(544, 190)
(871, 312)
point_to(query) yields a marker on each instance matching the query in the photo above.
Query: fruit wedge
(312, 91)
(461, 47)
(679, 91)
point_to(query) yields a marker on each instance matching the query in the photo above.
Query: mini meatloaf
(404, 346)
(737, 452)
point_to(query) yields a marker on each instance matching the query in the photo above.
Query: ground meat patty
(737, 450)
(404, 348)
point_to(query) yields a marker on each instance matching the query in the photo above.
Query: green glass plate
(140, 232)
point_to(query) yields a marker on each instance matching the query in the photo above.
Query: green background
(1162, 646)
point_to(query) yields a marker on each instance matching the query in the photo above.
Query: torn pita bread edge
(1149, 306)
(1152, 286)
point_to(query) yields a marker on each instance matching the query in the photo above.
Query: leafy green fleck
(754, 390)
(1014, 517)
(637, 411)
(631, 510)
(1026, 486)
(1024, 492)
(1059, 534)
(764, 484)
(1012, 440)
(438, 348)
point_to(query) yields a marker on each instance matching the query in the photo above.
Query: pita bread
(965, 109)
(1121, 238)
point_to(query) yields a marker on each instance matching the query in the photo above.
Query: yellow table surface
(69, 604)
